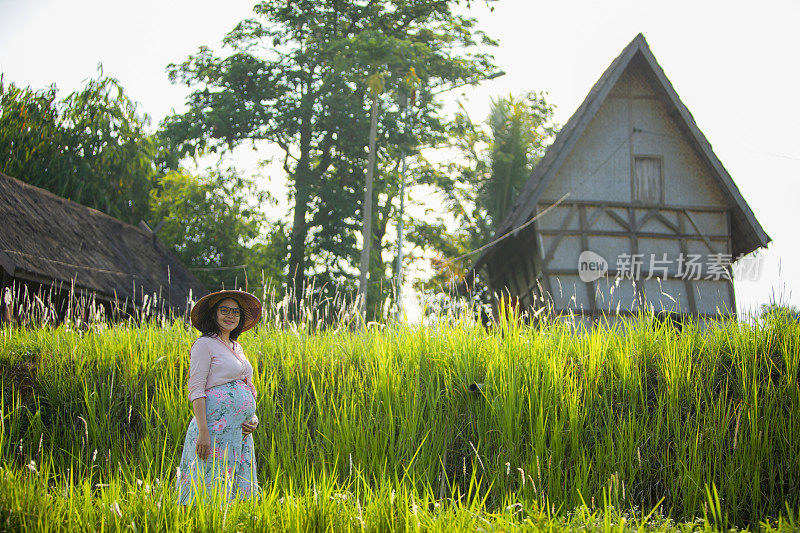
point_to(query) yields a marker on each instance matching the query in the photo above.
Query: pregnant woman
(218, 449)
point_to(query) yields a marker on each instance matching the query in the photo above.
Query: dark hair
(208, 323)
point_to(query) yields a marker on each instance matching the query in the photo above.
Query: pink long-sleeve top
(213, 363)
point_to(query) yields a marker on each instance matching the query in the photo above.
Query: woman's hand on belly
(249, 426)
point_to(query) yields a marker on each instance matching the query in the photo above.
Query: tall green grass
(381, 429)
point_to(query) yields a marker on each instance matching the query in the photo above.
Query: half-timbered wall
(601, 214)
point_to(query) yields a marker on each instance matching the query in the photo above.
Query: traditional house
(52, 247)
(628, 208)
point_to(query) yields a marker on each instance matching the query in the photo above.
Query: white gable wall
(599, 168)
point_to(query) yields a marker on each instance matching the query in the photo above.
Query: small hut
(628, 209)
(61, 251)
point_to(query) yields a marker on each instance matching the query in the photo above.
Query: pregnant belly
(245, 404)
(232, 402)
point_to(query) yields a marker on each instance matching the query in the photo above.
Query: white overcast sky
(733, 63)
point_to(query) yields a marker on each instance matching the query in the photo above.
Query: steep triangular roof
(746, 233)
(48, 239)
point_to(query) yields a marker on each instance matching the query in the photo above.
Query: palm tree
(518, 132)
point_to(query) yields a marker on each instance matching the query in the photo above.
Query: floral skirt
(231, 465)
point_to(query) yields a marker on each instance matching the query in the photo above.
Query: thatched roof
(50, 240)
(746, 233)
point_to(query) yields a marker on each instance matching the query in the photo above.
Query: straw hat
(249, 303)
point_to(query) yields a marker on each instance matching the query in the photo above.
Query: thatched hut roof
(56, 242)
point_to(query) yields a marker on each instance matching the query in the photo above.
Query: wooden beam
(632, 130)
(661, 218)
(628, 225)
(622, 205)
(728, 248)
(635, 251)
(590, 289)
(697, 229)
(611, 233)
(551, 251)
(599, 210)
(625, 313)
(611, 273)
(647, 216)
(685, 251)
(654, 213)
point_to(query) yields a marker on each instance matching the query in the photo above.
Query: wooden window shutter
(647, 180)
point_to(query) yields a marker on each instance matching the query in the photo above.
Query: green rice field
(415, 428)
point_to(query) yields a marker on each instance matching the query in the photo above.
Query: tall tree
(296, 77)
(216, 227)
(496, 161)
(33, 138)
(518, 128)
(91, 147)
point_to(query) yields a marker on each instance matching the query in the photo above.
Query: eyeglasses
(229, 311)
